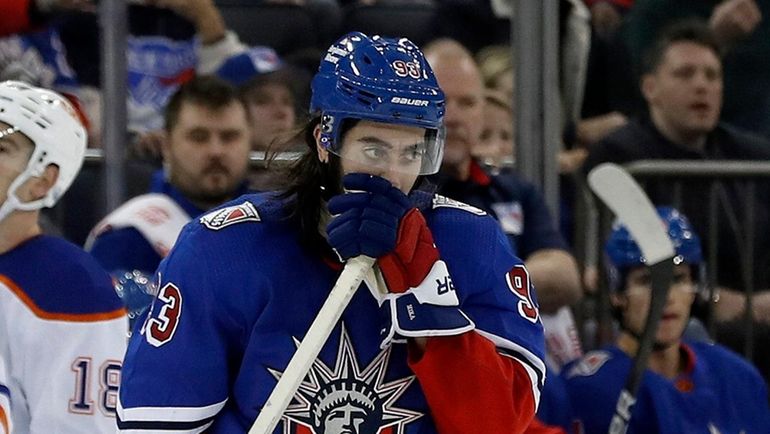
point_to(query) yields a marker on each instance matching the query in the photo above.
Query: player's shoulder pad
(589, 364)
(445, 202)
(242, 210)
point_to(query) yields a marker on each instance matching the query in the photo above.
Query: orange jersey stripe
(4, 421)
(57, 316)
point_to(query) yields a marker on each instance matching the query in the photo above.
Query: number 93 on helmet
(386, 81)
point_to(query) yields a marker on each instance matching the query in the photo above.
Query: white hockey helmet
(52, 124)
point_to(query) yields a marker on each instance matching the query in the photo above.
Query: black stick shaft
(661, 275)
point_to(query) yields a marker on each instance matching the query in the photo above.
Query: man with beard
(688, 386)
(205, 162)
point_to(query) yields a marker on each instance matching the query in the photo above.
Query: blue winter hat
(241, 68)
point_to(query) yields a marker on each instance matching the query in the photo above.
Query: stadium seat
(285, 28)
(414, 19)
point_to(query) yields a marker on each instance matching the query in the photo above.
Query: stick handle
(315, 338)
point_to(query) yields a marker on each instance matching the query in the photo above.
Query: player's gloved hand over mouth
(378, 220)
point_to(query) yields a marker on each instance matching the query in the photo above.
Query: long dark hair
(310, 183)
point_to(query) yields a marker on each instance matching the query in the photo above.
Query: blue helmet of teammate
(623, 253)
(381, 80)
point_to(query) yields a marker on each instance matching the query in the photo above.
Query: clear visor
(396, 153)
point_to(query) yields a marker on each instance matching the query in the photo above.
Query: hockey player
(688, 386)
(62, 328)
(243, 283)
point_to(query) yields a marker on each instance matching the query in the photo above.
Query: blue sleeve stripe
(5, 391)
(155, 426)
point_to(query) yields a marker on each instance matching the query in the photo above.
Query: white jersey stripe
(194, 431)
(169, 414)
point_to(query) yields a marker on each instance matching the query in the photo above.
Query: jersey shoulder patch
(445, 202)
(589, 364)
(230, 215)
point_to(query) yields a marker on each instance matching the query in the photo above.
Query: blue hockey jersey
(237, 294)
(718, 393)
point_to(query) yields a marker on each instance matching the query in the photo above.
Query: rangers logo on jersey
(222, 218)
(348, 399)
(511, 216)
(590, 364)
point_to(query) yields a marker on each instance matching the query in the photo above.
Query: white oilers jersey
(6, 424)
(62, 340)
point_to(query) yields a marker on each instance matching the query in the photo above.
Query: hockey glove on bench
(378, 220)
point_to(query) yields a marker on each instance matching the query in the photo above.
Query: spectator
(62, 328)
(496, 67)
(17, 16)
(688, 387)
(169, 41)
(266, 86)
(34, 54)
(682, 86)
(272, 91)
(515, 203)
(496, 146)
(205, 160)
(742, 29)
(607, 15)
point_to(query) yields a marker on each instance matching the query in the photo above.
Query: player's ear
(323, 153)
(40, 185)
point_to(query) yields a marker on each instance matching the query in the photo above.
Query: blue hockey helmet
(623, 252)
(382, 80)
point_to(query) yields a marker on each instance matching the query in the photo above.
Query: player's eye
(375, 152)
(414, 153)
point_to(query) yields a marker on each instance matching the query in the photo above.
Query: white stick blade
(618, 190)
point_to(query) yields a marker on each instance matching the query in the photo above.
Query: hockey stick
(315, 338)
(620, 193)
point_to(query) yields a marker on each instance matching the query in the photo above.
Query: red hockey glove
(421, 301)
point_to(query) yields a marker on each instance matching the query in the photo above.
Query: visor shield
(421, 157)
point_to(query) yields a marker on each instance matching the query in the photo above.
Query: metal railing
(746, 178)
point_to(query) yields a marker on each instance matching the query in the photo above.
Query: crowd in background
(702, 94)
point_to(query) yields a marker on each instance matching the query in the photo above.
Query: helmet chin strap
(13, 203)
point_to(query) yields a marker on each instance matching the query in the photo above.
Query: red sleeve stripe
(532, 364)
(58, 316)
(534, 377)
